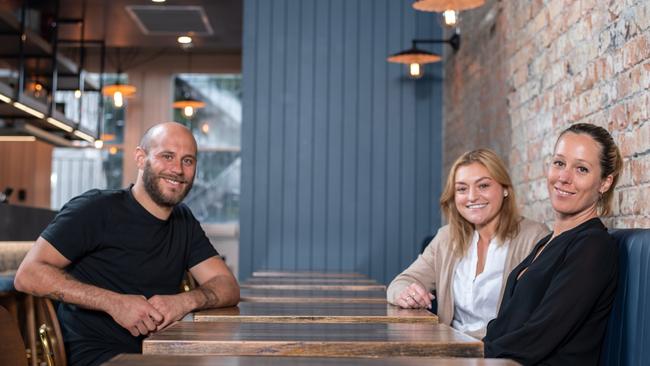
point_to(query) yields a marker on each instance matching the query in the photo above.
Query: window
(75, 171)
(214, 198)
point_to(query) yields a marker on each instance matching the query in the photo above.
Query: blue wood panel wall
(341, 152)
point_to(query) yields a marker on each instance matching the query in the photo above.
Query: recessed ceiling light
(157, 1)
(184, 39)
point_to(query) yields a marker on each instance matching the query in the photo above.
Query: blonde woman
(467, 261)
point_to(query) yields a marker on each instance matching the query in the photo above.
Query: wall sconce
(448, 8)
(415, 57)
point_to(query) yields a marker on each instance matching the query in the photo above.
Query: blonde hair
(460, 229)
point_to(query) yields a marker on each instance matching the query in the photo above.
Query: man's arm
(41, 274)
(217, 288)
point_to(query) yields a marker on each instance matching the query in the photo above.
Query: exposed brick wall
(475, 100)
(560, 62)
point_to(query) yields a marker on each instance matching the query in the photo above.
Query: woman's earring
(505, 193)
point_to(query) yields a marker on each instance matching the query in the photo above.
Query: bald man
(115, 259)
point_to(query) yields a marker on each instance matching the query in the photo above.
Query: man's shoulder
(95, 196)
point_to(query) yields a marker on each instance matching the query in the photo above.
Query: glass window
(217, 129)
(74, 170)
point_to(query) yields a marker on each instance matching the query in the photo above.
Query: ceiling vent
(166, 20)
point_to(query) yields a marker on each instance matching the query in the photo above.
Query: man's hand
(135, 314)
(172, 308)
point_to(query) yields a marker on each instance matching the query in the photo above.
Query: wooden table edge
(432, 319)
(372, 300)
(365, 349)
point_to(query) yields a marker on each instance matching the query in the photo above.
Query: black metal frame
(454, 41)
(55, 42)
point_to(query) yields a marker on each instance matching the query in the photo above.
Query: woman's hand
(414, 296)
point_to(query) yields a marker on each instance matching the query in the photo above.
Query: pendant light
(119, 91)
(188, 104)
(448, 8)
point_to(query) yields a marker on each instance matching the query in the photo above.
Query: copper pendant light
(440, 6)
(188, 104)
(415, 57)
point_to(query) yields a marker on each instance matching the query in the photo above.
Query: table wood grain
(251, 312)
(308, 281)
(312, 339)
(315, 287)
(303, 274)
(169, 360)
(322, 296)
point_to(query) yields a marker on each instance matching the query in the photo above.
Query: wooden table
(256, 312)
(167, 360)
(314, 287)
(308, 281)
(308, 274)
(321, 296)
(312, 339)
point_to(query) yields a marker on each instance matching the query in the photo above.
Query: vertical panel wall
(340, 149)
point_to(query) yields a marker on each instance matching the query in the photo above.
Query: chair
(12, 348)
(49, 333)
(627, 340)
(189, 283)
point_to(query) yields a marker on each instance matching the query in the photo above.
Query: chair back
(627, 340)
(49, 333)
(12, 347)
(188, 283)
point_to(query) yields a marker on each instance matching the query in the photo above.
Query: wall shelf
(33, 72)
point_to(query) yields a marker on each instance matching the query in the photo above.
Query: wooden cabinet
(27, 166)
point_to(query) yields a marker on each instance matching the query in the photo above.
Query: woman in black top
(556, 302)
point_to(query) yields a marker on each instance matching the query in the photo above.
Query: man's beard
(152, 188)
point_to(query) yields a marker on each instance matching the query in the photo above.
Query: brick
(631, 222)
(571, 14)
(636, 51)
(639, 169)
(586, 6)
(642, 16)
(637, 109)
(628, 201)
(539, 21)
(618, 117)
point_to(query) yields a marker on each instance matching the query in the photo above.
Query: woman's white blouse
(476, 297)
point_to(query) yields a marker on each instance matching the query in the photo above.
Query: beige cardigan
(434, 268)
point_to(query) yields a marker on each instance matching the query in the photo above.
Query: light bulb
(99, 144)
(450, 17)
(184, 39)
(205, 128)
(415, 71)
(188, 111)
(118, 99)
(77, 93)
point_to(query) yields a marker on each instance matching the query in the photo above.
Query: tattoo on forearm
(56, 295)
(211, 298)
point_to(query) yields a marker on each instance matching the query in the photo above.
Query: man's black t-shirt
(116, 244)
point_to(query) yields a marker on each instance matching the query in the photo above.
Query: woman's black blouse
(556, 313)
